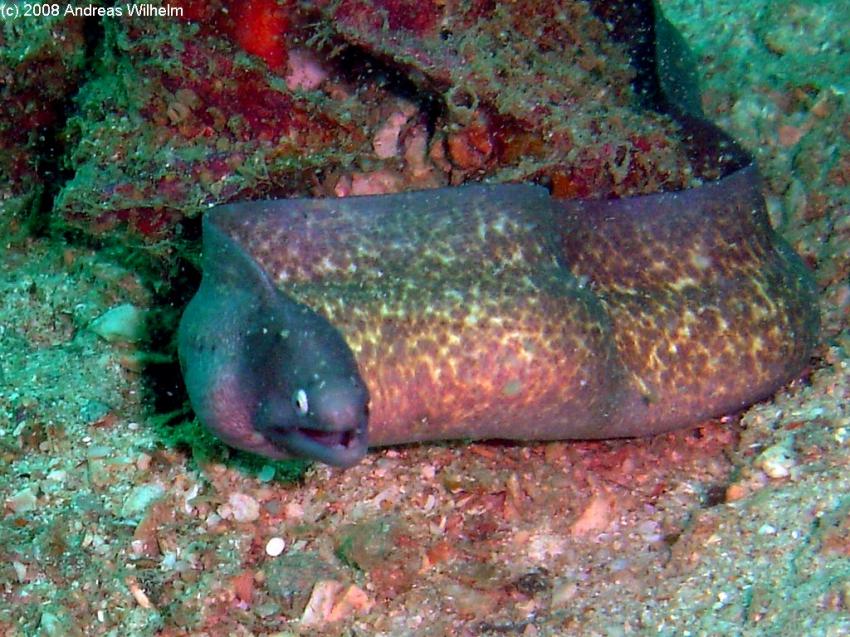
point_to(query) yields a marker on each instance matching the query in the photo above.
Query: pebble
(22, 501)
(777, 460)
(330, 601)
(123, 322)
(275, 546)
(140, 499)
(20, 571)
(241, 507)
(266, 473)
(57, 475)
(320, 604)
(650, 531)
(596, 516)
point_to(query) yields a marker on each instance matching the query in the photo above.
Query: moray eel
(324, 326)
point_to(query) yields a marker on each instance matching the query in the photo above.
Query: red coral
(258, 27)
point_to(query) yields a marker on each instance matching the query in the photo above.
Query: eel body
(323, 326)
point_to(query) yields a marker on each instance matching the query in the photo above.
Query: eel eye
(299, 401)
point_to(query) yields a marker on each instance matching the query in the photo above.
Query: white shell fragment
(275, 546)
(123, 322)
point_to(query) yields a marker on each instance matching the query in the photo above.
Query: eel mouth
(338, 448)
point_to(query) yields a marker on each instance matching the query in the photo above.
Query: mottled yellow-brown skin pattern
(496, 312)
(711, 310)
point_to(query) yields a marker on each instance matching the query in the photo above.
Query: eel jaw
(338, 448)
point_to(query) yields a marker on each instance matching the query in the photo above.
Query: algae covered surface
(120, 516)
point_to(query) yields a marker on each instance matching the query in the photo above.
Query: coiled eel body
(323, 326)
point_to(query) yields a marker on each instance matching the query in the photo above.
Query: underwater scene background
(121, 124)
